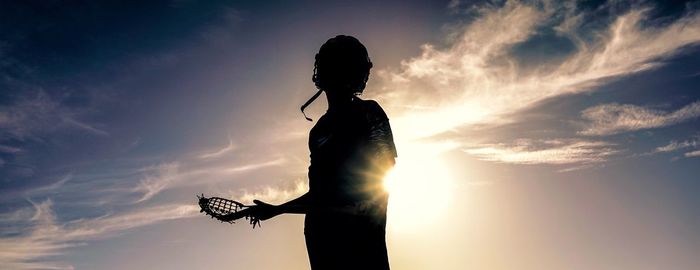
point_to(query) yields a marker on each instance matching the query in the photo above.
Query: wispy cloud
(254, 166)
(571, 151)
(272, 194)
(33, 116)
(615, 118)
(675, 146)
(690, 145)
(160, 176)
(46, 237)
(53, 187)
(168, 175)
(477, 78)
(695, 153)
(84, 126)
(9, 149)
(220, 152)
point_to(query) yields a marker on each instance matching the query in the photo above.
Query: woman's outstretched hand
(264, 211)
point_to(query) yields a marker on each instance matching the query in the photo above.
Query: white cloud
(159, 178)
(695, 153)
(615, 118)
(675, 145)
(477, 80)
(47, 237)
(570, 151)
(272, 194)
(254, 166)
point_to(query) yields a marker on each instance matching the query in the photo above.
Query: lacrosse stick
(226, 210)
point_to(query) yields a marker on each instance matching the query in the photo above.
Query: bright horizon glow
(420, 188)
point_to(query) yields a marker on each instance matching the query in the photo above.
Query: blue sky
(531, 134)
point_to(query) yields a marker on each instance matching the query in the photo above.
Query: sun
(420, 187)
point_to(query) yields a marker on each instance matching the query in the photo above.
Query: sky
(530, 134)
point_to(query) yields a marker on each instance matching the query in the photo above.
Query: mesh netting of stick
(224, 209)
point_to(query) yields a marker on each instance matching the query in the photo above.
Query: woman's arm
(299, 205)
(263, 210)
(381, 138)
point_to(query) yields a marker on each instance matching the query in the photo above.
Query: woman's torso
(341, 174)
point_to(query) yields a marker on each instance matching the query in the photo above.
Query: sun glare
(420, 189)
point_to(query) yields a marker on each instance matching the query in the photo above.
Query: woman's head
(342, 64)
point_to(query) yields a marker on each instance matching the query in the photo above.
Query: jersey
(351, 150)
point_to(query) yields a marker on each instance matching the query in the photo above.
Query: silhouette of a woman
(351, 149)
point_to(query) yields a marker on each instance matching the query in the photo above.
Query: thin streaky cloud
(272, 194)
(578, 168)
(9, 149)
(556, 152)
(255, 166)
(609, 119)
(85, 126)
(675, 146)
(695, 153)
(51, 188)
(220, 152)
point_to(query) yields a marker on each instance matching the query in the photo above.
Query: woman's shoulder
(373, 110)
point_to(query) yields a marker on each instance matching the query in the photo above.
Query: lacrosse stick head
(226, 210)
